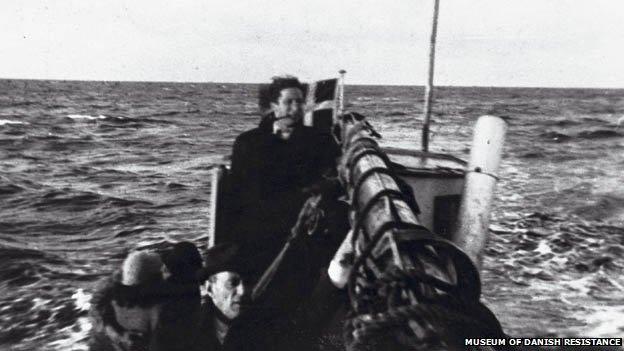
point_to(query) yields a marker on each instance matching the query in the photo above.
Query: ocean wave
(119, 220)
(561, 123)
(605, 321)
(165, 113)
(603, 207)
(88, 117)
(395, 113)
(23, 103)
(68, 201)
(7, 121)
(10, 253)
(133, 231)
(44, 316)
(136, 122)
(599, 134)
(533, 155)
(72, 201)
(555, 137)
(542, 249)
(169, 113)
(10, 189)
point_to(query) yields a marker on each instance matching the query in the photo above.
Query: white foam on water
(543, 248)
(7, 121)
(605, 321)
(560, 260)
(89, 117)
(82, 300)
(509, 215)
(498, 228)
(612, 281)
(169, 169)
(38, 302)
(581, 285)
(512, 197)
(76, 336)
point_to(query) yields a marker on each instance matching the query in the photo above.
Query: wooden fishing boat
(450, 222)
(426, 242)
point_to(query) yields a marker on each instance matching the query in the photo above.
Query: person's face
(229, 293)
(288, 109)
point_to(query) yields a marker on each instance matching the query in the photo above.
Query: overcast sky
(563, 43)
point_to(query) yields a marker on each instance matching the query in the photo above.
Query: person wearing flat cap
(125, 310)
(152, 303)
(239, 317)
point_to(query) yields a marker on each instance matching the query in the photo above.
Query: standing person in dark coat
(271, 167)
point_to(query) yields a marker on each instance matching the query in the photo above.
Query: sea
(92, 170)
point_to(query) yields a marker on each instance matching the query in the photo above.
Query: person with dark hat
(237, 317)
(225, 324)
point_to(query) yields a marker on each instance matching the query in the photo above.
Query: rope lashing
(405, 282)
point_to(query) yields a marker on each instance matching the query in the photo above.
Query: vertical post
(341, 92)
(216, 173)
(429, 87)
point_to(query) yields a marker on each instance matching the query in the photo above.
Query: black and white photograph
(311, 175)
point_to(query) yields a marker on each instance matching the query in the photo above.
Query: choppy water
(89, 170)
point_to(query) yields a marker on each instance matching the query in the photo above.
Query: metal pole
(429, 87)
(341, 92)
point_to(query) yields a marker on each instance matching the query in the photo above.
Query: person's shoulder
(249, 136)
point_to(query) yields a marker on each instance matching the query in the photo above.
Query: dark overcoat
(267, 184)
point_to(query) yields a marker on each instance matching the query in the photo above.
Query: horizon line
(350, 84)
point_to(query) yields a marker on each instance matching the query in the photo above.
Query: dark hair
(271, 92)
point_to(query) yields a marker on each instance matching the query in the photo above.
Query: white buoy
(471, 233)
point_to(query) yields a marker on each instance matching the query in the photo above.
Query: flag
(322, 104)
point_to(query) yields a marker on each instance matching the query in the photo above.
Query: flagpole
(429, 87)
(341, 92)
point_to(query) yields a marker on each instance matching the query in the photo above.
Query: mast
(429, 87)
